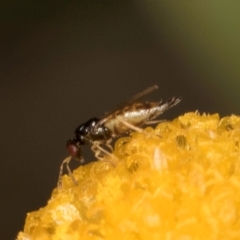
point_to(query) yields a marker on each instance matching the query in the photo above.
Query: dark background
(63, 62)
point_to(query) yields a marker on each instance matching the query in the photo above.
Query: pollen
(180, 180)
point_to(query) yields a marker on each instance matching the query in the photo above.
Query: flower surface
(180, 180)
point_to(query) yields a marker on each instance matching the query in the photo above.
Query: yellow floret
(180, 180)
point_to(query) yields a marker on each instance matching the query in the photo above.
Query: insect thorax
(89, 131)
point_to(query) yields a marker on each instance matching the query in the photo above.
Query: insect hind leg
(65, 161)
(131, 126)
(151, 122)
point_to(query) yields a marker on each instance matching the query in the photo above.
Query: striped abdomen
(136, 114)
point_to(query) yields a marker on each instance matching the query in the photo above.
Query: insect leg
(154, 122)
(65, 161)
(98, 150)
(130, 126)
(108, 144)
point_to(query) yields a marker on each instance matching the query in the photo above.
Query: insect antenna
(65, 161)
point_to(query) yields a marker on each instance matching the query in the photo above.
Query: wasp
(101, 131)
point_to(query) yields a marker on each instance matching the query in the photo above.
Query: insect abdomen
(137, 114)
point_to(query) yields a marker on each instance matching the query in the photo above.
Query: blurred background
(63, 62)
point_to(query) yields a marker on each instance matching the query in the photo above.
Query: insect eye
(72, 149)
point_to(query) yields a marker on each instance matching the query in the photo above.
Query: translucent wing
(142, 94)
(131, 100)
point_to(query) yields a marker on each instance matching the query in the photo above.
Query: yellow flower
(178, 181)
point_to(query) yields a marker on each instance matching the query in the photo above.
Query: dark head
(74, 144)
(74, 149)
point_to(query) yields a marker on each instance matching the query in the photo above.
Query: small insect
(101, 131)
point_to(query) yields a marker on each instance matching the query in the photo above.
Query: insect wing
(131, 100)
(142, 94)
